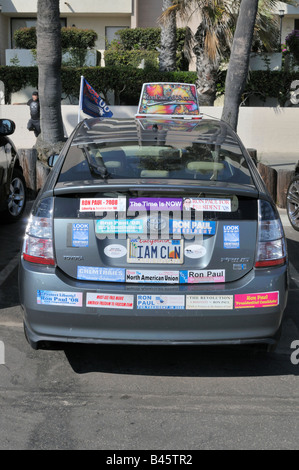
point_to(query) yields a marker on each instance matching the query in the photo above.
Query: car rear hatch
(149, 234)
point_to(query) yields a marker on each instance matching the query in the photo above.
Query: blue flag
(91, 102)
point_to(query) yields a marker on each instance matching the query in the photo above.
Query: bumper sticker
(119, 226)
(258, 300)
(47, 297)
(103, 204)
(171, 302)
(109, 301)
(231, 236)
(168, 277)
(209, 302)
(195, 251)
(115, 251)
(206, 204)
(80, 235)
(91, 273)
(195, 227)
(202, 276)
(155, 204)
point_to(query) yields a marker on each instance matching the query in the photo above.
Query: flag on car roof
(91, 102)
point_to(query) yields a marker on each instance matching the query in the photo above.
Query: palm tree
(167, 58)
(49, 80)
(214, 35)
(239, 61)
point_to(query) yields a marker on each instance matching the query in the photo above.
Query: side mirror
(7, 127)
(52, 159)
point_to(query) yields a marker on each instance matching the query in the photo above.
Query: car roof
(208, 131)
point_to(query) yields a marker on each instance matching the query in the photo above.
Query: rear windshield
(200, 153)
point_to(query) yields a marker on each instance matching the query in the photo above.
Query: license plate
(155, 251)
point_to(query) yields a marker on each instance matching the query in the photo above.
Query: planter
(27, 58)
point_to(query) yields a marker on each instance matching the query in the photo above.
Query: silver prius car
(153, 230)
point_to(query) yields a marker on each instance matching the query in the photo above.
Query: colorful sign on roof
(172, 99)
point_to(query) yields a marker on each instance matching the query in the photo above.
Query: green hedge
(127, 81)
(147, 38)
(135, 45)
(25, 38)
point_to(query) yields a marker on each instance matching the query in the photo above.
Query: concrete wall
(272, 131)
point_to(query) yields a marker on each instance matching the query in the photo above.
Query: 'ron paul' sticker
(196, 227)
(202, 276)
(103, 204)
(209, 302)
(171, 302)
(47, 297)
(206, 204)
(119, 226)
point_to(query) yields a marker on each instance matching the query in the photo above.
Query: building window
(17, 23)
(296, 25)
(110, 32)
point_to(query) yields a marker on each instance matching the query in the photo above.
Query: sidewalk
(279, 161)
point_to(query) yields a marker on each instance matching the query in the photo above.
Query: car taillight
(271, 247)
(38, 242)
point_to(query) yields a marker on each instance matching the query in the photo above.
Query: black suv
(12, 183)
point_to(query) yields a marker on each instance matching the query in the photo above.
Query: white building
(102, 16)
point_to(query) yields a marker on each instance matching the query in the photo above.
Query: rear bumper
(136, 324)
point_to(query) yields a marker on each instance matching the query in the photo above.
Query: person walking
(34, 121)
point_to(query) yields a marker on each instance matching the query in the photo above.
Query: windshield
(197, 152)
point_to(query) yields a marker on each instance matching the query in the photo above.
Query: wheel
(17, 197)
(293, 202)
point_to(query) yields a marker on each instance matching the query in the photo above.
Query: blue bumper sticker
(231, 236)
(80, 235)
(91, 273)
(196, 227)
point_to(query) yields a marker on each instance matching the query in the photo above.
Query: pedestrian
(34, 121)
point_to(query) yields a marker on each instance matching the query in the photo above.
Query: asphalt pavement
(116, 398)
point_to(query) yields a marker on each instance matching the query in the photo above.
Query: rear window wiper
(97, 168)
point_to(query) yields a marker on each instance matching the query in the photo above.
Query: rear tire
(17, 197)
(293, 203)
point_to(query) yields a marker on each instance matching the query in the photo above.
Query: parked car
(292, 199)
(154, 230)
(12, 183)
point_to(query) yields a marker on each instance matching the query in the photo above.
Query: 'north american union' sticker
(142, 276)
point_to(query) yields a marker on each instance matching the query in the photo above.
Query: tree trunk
(239, 62)
(207, 70)
(167, 59)
(49, 76)
(206, 80)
